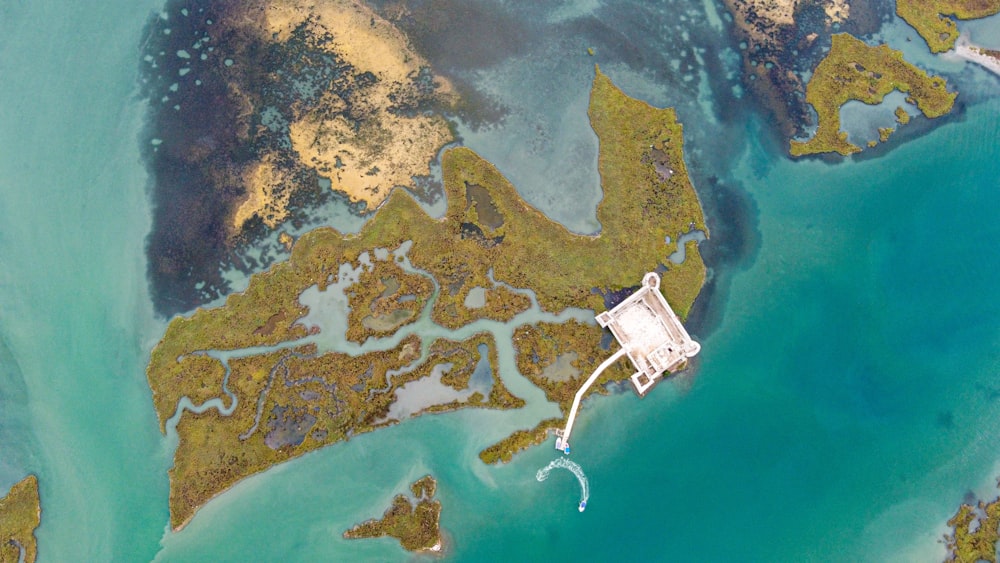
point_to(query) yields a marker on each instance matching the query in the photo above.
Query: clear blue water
(841, 411)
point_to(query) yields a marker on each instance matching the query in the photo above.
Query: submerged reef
(417, 526)
(290, 399)
(933, 19)
(974, 533)
(854, 70)
(251, 103)
(20, 514)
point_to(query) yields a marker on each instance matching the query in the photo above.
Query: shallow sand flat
(967, 51)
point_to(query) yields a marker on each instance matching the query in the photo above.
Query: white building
(650, 333)
(652, 337)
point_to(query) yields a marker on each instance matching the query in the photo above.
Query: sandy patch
(837, 11)
(367, 153)
(267, 197)
(764, 13)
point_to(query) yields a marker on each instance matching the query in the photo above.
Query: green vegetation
(520, 440)
(291, 401)
(629, 130)
(856, 71)
(20, 514)
(539, 346)
(901, 116)
(502, 304)
(884, 133)
(426, 486)
(416, 527)
(988, 52)
(376, 300)
(933, 18)
(979, 545)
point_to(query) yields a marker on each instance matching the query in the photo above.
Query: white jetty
(650, 334)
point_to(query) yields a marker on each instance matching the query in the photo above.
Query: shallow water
(425, 392)
(862, 121)
(842, 409)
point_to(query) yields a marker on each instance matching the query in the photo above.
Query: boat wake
(575, 469)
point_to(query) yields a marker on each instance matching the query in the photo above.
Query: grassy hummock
(854, 70)
(292, 400)
(933, 18)
(20, 514)
(416, 526)
(385, 298)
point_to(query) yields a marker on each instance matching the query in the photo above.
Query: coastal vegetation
(290, 400)
(520, 440)
(902, 117)
(614, 117)
(934, 20)
(539, 348)
(20, 514)
(974, 533)
(384, 298)
(992, 53)
(854, 70)
(415, 523)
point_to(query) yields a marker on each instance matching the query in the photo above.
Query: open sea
(846, 400)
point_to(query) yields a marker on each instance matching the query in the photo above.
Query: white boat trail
(573, 468)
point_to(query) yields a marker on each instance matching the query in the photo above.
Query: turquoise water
(841, 410)
(73, 307)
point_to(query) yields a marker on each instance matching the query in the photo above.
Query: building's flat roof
(652, 335)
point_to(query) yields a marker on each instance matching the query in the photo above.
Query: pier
(652, 337)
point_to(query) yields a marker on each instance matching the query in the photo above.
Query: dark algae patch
(305, 400)
(414, 522)
(20, 514)
(251, 103)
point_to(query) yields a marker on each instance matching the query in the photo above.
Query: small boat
(583, 505)
(566, 449)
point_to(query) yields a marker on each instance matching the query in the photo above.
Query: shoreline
(966, 50)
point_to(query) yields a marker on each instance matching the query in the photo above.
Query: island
(854, 70)
(974, 532)
(933, 19)
(265, 389)
(20, 514)
(415, 523)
